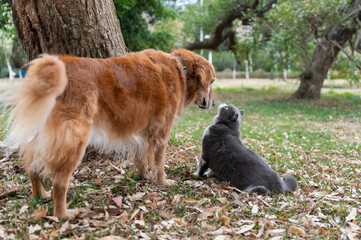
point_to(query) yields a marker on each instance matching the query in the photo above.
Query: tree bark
(324, 55)
(240, 11)
(85, 28)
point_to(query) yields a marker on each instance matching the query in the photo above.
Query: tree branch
(218, 36)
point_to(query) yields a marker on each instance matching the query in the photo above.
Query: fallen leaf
(33, 229)
(254, 210)
(23, 209)
(134, 214)
(152, 196)
(136, 197)
(165, 215)
(225, 221)
(296, 230)
(118, 201)
(112, 238)
(179, 221)
(52, 218)
(64, 227)
(39, 214)
(352, 215)
(188, 200)
(124, 216)
(53, 233)
(98, 180)
(208, 213)
(245, 229)
(151, 205)
(322, 230)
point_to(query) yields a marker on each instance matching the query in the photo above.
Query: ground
(317, 142)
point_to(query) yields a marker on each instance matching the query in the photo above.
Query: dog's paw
(46, 195)
(146, 177)
(70, 214)
(167, 182)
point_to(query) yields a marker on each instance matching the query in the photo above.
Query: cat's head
(229, 114)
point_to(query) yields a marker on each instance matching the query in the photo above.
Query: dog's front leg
(160, 176)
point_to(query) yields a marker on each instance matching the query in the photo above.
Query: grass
(318, 143)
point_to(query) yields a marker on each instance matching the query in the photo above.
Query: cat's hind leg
(258, 189)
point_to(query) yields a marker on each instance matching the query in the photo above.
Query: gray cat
(227, 158)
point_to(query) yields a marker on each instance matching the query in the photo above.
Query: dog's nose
(213, 103)
(204, 102)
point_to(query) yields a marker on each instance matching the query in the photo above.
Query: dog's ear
(241, 112)
(200, 74)
(234, 118)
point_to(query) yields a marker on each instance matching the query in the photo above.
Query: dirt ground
(338, 85)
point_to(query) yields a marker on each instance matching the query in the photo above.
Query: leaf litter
(114, 203)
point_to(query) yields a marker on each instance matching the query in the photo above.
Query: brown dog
(127, 103)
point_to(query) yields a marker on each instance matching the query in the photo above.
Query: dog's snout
(204, 102)
(213, 103)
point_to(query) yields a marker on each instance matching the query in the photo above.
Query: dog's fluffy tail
(290, 183)
(45, 80)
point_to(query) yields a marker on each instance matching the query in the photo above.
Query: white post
(11, 72)
(201, 33)
(285, 74)
(210, 56)
(234, 69)
(247, 70)
(276, 71)
(328, 75)
(250, 65)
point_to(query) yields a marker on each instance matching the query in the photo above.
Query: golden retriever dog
(127, 103)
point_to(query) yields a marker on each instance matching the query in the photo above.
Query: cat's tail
(289, 183)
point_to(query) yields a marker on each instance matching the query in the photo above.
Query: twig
(115, 167)
(13, 190)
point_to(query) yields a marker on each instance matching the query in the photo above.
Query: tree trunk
(87, 28)
(324, 55)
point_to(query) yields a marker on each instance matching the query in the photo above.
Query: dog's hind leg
(144, 158)
(37, 187)
(68, 150)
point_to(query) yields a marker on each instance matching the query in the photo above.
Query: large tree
(81, 28)
(330, 43)
(292, 31)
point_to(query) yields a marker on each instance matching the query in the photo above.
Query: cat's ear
(234, 118)
(241, 112)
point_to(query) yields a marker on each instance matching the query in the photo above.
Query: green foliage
(207, 17)
(293, 28)
(138, 21)
(5, 17)
(223, 60)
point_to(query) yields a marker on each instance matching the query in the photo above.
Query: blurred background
(243, 39)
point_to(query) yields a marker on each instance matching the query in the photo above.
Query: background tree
(332, 35)
(143, 24)
(7, 34)
(81, 28)
(307, 34)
